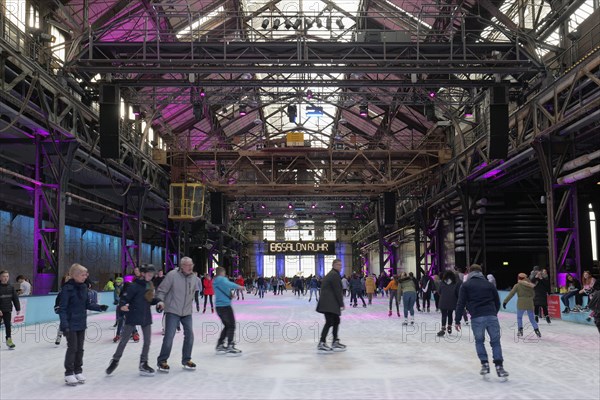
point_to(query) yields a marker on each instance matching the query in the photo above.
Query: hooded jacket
(177, 292)
(74, 303)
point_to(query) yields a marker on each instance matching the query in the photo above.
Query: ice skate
(502, 374)
(220, 349)
(538, 333)
(390, 313)
(449, 330)
(163, 367)
(324, 348)
(442, 332)
(71, 380)
(116, 339)
(112, 366)
(537, 319)
(412, 320)
(232, 351)
(405, 322)
(189, 365)
(80, 378)
(520, 332)
(10, 344)
(485, 370)
(547, 318)
(58, 338)
(145, 369)
(135, 337)
(337, 346)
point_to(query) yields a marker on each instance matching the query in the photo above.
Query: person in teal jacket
(223, 288)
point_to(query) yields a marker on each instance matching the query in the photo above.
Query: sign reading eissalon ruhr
(304, 248)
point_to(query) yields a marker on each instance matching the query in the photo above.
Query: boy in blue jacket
(223, 288)
(135, 304)
(74, 303)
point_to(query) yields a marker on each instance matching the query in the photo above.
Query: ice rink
(279, 335)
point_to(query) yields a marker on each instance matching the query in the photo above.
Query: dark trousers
(355, 295)
(228, 320)
(197, 299)
(208, 297)
(426, 300)
(446, 318)
(544, 309)
(74, 356)
(331, 320)
(6, 318)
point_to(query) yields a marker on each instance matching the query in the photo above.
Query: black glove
(504, 305)
(116, 302)
(103, 307)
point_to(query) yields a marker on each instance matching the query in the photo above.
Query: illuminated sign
(303, 248)
(295, 139)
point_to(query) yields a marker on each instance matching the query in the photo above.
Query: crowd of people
(455, 294)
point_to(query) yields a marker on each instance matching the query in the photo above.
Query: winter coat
(331, 300)
(8, 297)
(139, 306)
(355, 285)
(370, 284)
(393, 285)
(541, 289)
(449, 295)
(177, 292)
(427, 284)
(209, 290)
(406, 285)
(479, 296)
(223, 288)
(74, 303)
(525, 295)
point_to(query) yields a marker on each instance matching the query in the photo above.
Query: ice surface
(278, 336)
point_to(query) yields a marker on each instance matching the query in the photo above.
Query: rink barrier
(40, 309)
(578, 318)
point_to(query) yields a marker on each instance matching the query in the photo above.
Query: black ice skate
(538, 333)
(221, 349)
(112, 366)
(485, 369)
(324, 348)
(547, 318)
(502, 374)
(58, 338)
(520, 332)
(145, 369)
(442, 332)
(337, 346)
(232, 351)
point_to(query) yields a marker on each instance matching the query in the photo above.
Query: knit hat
(118, 279)
(147, 268)
(522, 276)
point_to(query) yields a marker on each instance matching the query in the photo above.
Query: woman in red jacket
(240, 282)
(209, 292)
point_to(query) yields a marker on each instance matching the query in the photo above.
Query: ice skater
(8, 297)
(408, 290)
(136, 306)
(209, 292)
(392, 289)
(542, 289)
(331, 304)
(483, 302)
(223, 288)
(448, 290)
(74, 303)
(524, 290)
(176, 298)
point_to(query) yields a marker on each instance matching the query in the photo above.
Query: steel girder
(303, 171)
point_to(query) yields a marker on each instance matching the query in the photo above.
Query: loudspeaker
(110, 107)
(498, 139)
(389, 208)
(217, 209)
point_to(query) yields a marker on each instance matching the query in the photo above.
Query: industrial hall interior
(274, 138)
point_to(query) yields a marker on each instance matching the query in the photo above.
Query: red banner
(554, 306)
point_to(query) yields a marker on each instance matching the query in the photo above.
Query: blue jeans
(315, 291)
(578, 298)
(490, 324)
(529, 314)
(408, 300)
(171, 323)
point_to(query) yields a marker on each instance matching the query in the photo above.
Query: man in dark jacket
(135, 303)
(8, 297)
(331, 303)
(483, 302)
